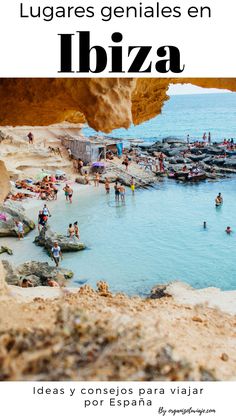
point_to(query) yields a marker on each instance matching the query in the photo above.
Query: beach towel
(3, 217)
(119, 147)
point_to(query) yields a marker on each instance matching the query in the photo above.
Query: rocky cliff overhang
(105, 104)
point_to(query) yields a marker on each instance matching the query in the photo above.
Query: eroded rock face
(36, 272)
(4, 181)
(106, 104)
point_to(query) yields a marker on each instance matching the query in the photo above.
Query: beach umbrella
(41, 175)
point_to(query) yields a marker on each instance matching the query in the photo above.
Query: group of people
(73, 230)
(43, 217)
(119, 189)
(206, 138)
(219, 202)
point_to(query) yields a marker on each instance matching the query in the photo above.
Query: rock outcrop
(105, 104)
(10, 214)
(47, 238)
(36, 272)
(4, 181)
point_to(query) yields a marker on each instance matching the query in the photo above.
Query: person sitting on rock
(26, 283)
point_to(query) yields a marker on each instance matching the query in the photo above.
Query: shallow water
(156, 237)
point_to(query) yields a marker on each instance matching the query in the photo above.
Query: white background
(31, 47)
(17, 400)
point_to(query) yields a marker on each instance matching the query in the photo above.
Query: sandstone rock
(4, 182)
(8, 227)
(37, 272)
(104, 102)
(47, 237)
(224, 357)
(81, 180)
(11, 277)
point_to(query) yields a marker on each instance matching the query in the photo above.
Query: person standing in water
(122, 193)
(66, 190)
(228, 230)
(132, 185)
(76, 228)
(96, 179)
(209, 138)
(70, 194)
(219, 199)
(117, 191)
(204, 137)
(56, 253)
(107, 185)
(204, 224)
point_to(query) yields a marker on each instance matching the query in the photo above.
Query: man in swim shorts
(117, 191)
(219, 199)
(56, 253)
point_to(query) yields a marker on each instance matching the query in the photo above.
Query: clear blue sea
(187, 114)
(157, 237)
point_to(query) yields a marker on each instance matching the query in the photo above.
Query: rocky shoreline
(214, 160)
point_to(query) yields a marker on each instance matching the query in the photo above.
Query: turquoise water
(188, 114)
(156, 237)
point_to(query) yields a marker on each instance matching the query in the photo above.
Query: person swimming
(219, 200)
(228, 230)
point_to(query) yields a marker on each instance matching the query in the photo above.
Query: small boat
(196, 177)
(181, 175)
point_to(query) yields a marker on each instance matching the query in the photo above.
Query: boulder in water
(47, 238)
